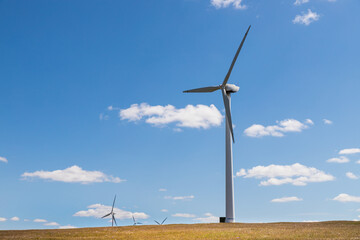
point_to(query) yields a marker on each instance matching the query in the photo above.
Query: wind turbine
(161, 222)
(112, 214)
(135, 222)
(226, 90)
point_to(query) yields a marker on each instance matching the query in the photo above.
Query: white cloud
(180, 197)
(327, 121)
(284, 126)
(296, 174)
(349, 151)
(306, 18)
(310, 221)
(299, 2)
(99, 210)
(71, 175)
(286, 199)
(40, 220)
(351, 175)
(2, 159)
(358, 161)
(15, 219)
(164, 210)
(2, 219)
(226, 3)
(343, 197)
(66, 227)
(199, 116)
(209, 218)
(341, 159)
(103, 116)
(51, 224)
(162, 190)
(184, 215)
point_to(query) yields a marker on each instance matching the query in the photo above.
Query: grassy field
(216, 231)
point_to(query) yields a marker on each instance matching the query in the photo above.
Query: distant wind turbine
(161, 222)
(135, 222)
(226, 90)
(112, 214)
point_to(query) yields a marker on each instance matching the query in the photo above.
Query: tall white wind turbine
(112, 213)
(226, 90)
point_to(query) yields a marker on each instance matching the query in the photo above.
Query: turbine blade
(163, 221)
(204, 89)
(113, 204)
(157, 222)
(114, 220)
(234, 60)
(133, 219)
(106, 215)
(228, 113)
(139, 223)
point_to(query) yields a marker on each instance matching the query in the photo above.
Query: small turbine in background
(161, 222)
(135, 222)
(112, 214)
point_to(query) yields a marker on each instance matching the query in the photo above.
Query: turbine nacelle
(231, 88)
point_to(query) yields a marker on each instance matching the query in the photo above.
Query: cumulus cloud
(209, 218)
(286, 199)
(2, 219)
(343, 197)
(38, 220)
(296, 174)
(306, 18)
(2, 159)
(349, 151)
(180, 197)
(341, 159)
(237, 4)
(299, 2)
(278, 130)
(15, 219)
(99, 210)
(199, 116)
(66, 227)
(51, 224)
(351, 175)
(184, 215)
(72, 174)
(327, 121)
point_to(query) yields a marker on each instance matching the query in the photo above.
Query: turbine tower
(226, 90)
(112, 214)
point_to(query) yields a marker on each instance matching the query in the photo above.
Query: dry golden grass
(216, 231)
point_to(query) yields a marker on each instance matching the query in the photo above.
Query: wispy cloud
(306, 18)
(2, 219)
(199, 116)
(327, 121)
(38, 220)
(99, 210)
(237, 4)
(15, 219)
(67, 227)
(184, 215)
(209, 218)
(51, 224)
(299, 2)
(180, 197)
(351, 175)
(3, 159)
(296, 174)
(343, 197)
(278, 130)
(72, 174)
(340, 159)
(164, 210)
(162, 190)
(348, 151)
(286, 199)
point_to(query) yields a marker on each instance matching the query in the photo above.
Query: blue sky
(91, 105)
